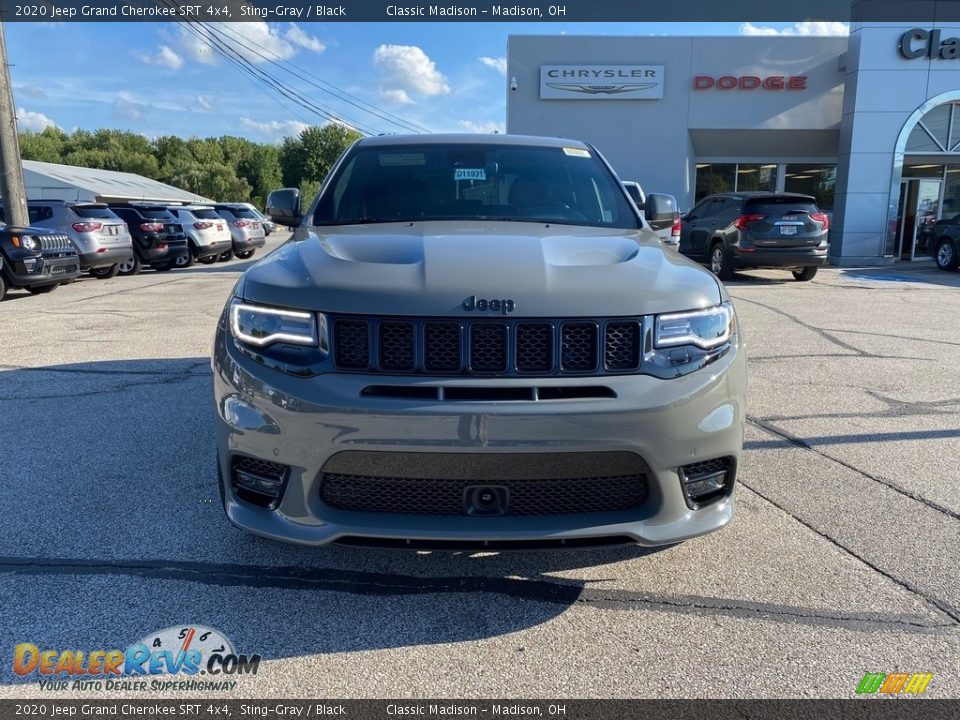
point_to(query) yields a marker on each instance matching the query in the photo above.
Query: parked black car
(35, 259)
(732, 231)
(945, 243)
(158, 237)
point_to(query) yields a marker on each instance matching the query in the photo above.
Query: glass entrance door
(917, 211)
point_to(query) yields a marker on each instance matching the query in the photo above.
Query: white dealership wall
(861, 98)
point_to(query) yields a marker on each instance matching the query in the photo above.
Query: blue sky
(159, 79)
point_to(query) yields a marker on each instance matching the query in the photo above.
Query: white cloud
(299, 37)
(206, 103)
(408, 68)
(486, 127)
(498, 63)
(397, 96)
(129, 109)
(800, 28)
(165, 57)
(30, 91)
(36, 121)
(276, 130)
(257, 42)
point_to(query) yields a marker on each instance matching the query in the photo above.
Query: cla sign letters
(750, 82)
(918, 43)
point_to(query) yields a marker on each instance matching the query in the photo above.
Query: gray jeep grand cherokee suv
(476, 341)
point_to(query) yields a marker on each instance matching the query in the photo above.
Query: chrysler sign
(601, 82)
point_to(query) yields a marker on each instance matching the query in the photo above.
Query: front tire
(133, 266)
(244, 254)
(105, 273)
(946, 255)
(226, 256)
(208, 259)
(3, 288)
(806, 274)
(183, 261)
(42, 289)
(163, 267)
(721, 262)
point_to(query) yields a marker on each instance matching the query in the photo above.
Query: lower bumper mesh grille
(422, 496)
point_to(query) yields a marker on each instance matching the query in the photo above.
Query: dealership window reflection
(731, 177)
(816, 180)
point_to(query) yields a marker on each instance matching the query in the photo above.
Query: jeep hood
(431, 268)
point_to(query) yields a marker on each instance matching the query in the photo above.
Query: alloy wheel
(945, 255)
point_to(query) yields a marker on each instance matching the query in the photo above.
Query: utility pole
(11, 170)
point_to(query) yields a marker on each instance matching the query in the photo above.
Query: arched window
(938, 131)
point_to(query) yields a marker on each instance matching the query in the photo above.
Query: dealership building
(868, 124)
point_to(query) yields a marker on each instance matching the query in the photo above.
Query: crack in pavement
(155, 378)
(804, 445)
(778, 358)
(895, 409)
(812, 328)
(898, 338)
(942, 607)
(362, 583)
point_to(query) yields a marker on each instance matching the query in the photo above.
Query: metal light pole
(11, 171)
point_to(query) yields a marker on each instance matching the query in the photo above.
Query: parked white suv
(208, 235)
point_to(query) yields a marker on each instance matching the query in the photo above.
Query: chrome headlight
(705, 329)
(30, 242)
(261, 326)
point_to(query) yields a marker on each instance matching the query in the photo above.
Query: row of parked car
(109, 239)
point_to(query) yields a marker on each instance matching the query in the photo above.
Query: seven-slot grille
(487, 346)
(55, 243)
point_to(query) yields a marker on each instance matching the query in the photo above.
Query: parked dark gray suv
(734, 231)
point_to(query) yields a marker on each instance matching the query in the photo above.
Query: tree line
(226, 168)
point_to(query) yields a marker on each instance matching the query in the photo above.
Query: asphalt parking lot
(843, 558)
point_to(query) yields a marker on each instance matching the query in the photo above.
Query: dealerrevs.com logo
(177, 651)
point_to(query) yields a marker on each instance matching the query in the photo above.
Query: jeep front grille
(486, 346)
(55, 244)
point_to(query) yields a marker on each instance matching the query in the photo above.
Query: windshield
(94, 211)
(779, 206)
(474, 182)
(157, 214)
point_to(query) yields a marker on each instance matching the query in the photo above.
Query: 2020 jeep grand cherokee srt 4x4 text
(477, 341)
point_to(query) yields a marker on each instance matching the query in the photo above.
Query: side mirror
(661, 210)
(283, 206)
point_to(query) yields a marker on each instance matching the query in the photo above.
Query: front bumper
(303, 422)
(110, 256)
(758, 257)
(38, 271)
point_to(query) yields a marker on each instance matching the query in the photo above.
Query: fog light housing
(259, 482)
(30, 265)
(708, 481)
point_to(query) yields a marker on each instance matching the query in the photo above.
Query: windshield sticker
(576, 152)
(469, 174)
(398, 159)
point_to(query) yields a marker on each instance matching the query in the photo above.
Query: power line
(336, 92)
(219, 45)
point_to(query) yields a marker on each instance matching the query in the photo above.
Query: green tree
(311, 155)
(45, 146)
